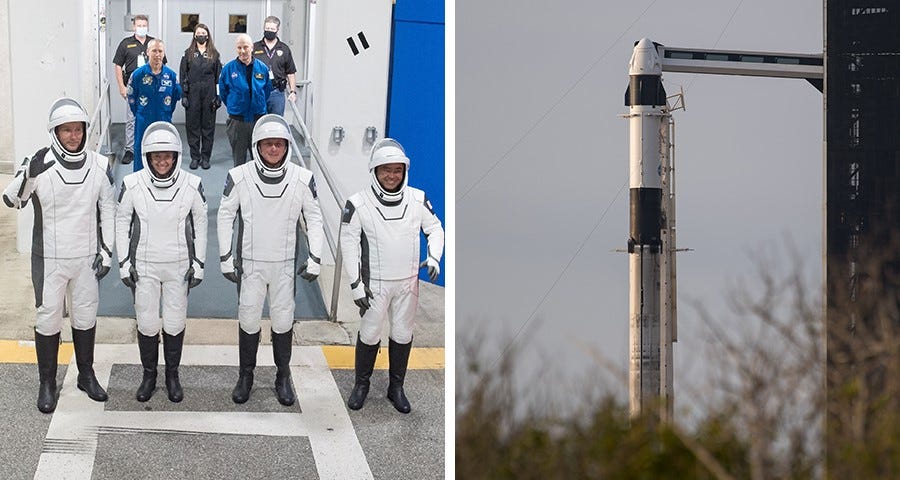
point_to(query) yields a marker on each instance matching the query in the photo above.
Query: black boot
(204, 163)
(194, 163)
(47, 347)
(365, 363)
(172, 345)
(248, 345)
(281, 351)
(84, 358)
(398, 356)
(149, 348)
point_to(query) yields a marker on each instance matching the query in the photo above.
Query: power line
(553, 107)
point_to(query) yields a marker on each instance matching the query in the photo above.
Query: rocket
(646, 99)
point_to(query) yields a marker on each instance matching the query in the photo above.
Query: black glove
(303, 272)
(99, 269)
(38, 166)
(363, 303)
(217, 102)
(191, 279)
(132, 277)
(184, 102)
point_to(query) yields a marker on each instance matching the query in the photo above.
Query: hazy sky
(541, 152)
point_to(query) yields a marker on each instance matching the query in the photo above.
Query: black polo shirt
(130, 48)
(278, 59)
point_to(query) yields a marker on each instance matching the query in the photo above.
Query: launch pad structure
(859, 76)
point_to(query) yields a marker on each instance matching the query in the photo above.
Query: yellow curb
(341, 357)
(22, 351)
(338, 357)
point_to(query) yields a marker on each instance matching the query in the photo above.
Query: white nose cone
(645, 59)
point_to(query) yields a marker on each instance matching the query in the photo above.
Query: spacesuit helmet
(385, 151)
(270, 126)
(162, 137)
(66, 110)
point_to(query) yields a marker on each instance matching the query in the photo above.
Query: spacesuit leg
(174, 298)
(281, 280)
(372, 321)
(402, 310)
(49, 281)
(85, 293)
(174, 310)
(250, 305)
(253, 294)
(402, 313)
(146, 299)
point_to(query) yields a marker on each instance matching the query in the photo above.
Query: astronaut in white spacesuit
(72, 192)
(161, 242)
(380, 244)
(268, 197)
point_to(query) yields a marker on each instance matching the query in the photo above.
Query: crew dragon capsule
(646, 99)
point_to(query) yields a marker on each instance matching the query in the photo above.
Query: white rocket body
(646, 99)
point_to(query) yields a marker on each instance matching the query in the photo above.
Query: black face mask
(201, 39)
(270, 35)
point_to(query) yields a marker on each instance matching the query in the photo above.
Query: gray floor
(216, 297)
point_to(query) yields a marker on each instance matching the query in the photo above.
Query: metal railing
(98, 121)
(316, 157)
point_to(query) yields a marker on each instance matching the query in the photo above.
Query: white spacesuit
(72, 192)
(380, 244)
(268, 197)
(161, 242)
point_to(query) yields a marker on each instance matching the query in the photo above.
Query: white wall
(7, 155)
(349, 90)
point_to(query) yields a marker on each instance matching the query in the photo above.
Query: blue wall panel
(416, 97)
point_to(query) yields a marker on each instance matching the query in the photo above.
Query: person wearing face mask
(380, 243)
(152, 94)
(131, 54)
(72, 191)
(268, 198)
(277, 56)
(244, 86)
(161, 226)
(200, 70)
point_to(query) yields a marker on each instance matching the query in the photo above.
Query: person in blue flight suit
(153, 93)
(244, 88)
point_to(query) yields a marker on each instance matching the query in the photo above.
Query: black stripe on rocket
(362, 41)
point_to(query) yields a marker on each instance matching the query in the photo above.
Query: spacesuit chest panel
(393, 236)
(270, 222)
(163, 213)
(69, 209)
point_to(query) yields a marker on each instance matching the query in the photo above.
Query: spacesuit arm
(434, 233)
(124, 214)
(106, 204)
(198, 212)
(315, 232)
(223, 87)
(19, 190)
(228, 208)
(132, 93)
(351, 229)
